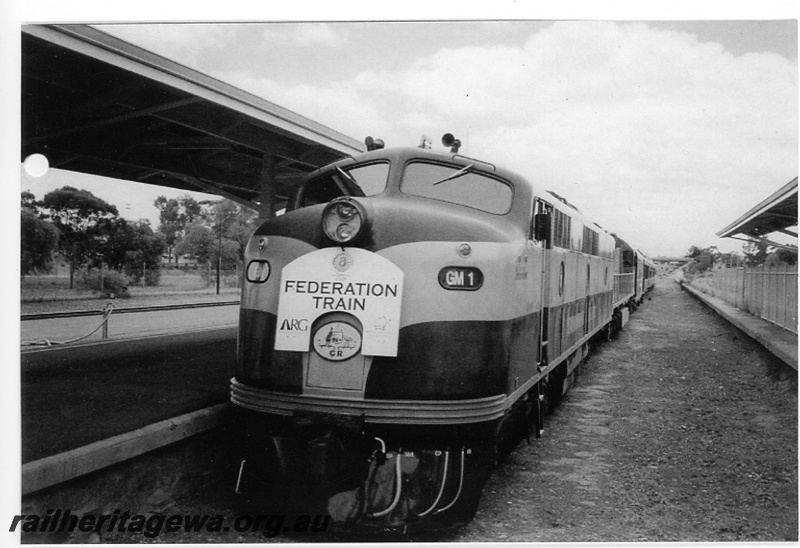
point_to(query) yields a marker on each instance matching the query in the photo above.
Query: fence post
(785, 319)
(744, 290)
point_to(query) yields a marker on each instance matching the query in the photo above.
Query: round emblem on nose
(343, 261)
(337, 341)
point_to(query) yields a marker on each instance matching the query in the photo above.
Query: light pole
(219, 250)
(219, 243)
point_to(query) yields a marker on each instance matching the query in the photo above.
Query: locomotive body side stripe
(505, 295)
(456, 336)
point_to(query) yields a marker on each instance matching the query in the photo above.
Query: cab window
(360, 180)
(457, 185)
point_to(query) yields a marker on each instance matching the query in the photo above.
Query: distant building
(182, 261)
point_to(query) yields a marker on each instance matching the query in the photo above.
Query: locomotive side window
(363, 180)
(457, 185)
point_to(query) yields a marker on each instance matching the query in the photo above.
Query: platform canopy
(95, 104)
(775, 214)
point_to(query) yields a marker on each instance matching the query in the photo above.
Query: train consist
(412, 315)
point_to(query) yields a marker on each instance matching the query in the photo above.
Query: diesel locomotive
(410, 316)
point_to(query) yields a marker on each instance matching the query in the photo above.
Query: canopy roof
(95, 104)
(775, 214)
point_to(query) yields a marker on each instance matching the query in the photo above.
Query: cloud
(650, 131)
(622, 117)
(304, 36)
(340, 107)
(184, 43)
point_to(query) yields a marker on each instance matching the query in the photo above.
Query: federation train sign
(356, 282)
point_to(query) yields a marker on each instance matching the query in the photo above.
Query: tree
(704, 259)
(782, 256)
(755, 253)
(731, 260)
(198, 243)
(76, 214)
(202, 244)
(132, 247)
(174, 216)
(234, 223)
(39, 240)
(29, 201)
(694, 251)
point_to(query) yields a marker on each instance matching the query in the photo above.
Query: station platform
(124, 324)
(76, 395)
(780, 342)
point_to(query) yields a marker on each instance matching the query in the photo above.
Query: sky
(661, 131)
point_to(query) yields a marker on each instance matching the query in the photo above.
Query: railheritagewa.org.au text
(153, 525)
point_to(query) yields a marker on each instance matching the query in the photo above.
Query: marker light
(258, 272)
(343, 220)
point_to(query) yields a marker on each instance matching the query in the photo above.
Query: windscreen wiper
(455, 175)
(355, 190)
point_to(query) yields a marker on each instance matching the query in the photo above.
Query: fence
(55, 286)
(769, 292)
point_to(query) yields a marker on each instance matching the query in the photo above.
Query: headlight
(343, 220)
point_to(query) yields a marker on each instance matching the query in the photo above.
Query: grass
(39, 294)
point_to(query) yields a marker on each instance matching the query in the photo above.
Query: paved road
(131, 325)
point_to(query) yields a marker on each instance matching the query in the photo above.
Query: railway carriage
(410, 315)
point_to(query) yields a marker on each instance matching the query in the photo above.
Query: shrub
(111, 284)
(151, 279)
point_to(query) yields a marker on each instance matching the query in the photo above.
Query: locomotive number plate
(460, 278)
